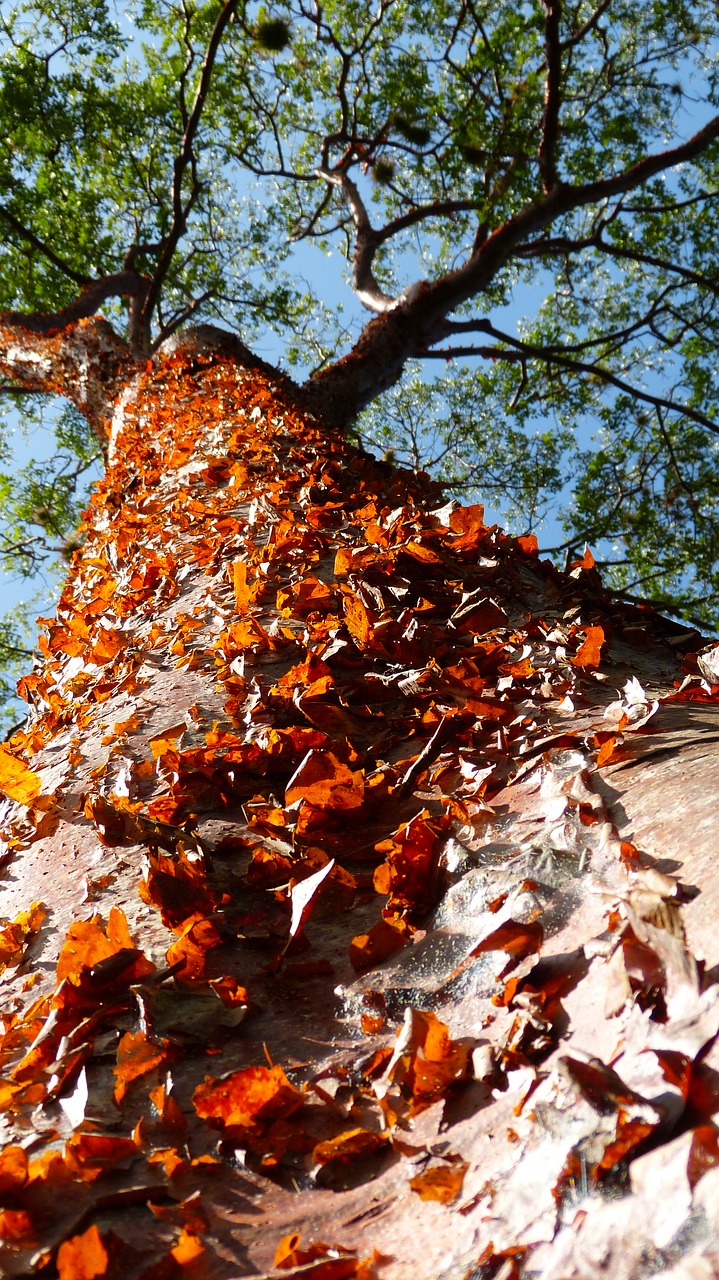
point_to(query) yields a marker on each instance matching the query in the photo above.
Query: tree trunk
(378, 928)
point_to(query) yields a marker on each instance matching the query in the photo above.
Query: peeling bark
(361, 925)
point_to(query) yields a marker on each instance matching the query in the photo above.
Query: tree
(335, 729)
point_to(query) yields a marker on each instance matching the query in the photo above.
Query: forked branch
(185, 159)
(366, 286)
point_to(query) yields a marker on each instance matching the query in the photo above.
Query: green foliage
(17, 634)
(597, 409)
(383, 170)
(41, 502)
(456, 428)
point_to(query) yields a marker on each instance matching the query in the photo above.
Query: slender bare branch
(686, 488)
(562, 246)
(309, 229)
(185, 159)
(675, 205)
(475, 275)
(175, 322)
(438, 209)
(591, 22)
(486, 353)
(610, 340)
(547, 151)
(556, 357)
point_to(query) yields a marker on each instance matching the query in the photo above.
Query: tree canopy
(520, 195)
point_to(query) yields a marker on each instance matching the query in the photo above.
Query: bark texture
(84, 361)
(377, 930)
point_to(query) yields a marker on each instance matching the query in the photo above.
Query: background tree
(472, 163)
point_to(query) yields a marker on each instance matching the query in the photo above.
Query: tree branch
(678, 606)
(563, 246)
(368, 290)
(551, 355)
(29, 236)
(122, 284)
(185, 158)
(609, 339)
(546, 153)
(486, 353)
(411, 324)
(686, 488)
(578, 35)
(481, 268)
(438, 209)
(81, 358)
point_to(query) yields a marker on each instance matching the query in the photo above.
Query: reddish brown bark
(347, 936)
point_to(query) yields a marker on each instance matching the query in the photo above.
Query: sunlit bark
(338, 840)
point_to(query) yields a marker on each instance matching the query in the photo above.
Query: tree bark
(84, 361)
(375, 913)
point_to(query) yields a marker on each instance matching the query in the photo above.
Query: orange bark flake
(15, 935)
(197, 937)
(421, 552)
(319, 1261)
(607, 743)
(83, 1257)
(171, 1116)
(589, 652)
(322, 780)
(244, 593)
(15, 1226)
(167, 740)
(467, 523)
(358, 620)
(528, 544)
(88, 946)
(169, 1158)
(425, 1061)
(437, 1062)
(516, 938)
(409, 874)
(442, 1182)
(17, 780)
(88, 1155)
(305, 597)
(587, 561)
(248, 1100)
(703, 1153)
(13, 1169)
(136, 1056)
(384, 939)
(188, 1249)
(354, 1144)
